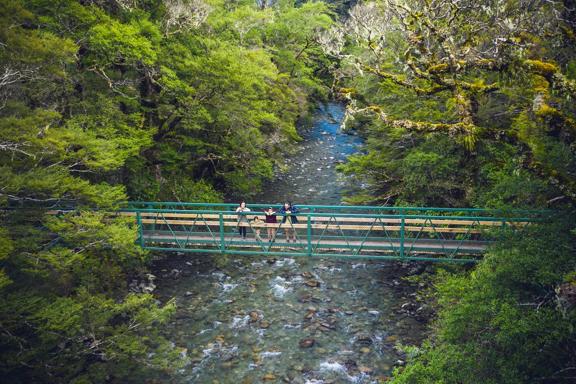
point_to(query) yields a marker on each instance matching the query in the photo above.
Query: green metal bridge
(371, 232)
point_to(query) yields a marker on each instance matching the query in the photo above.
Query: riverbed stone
(385, 367)
(307, 343)
(312, 283)
(254, 316)
(365, 369)
(363, 339)
(365, 350)
(269, 377)
(304, 297)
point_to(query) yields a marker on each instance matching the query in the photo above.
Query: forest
(461, 103)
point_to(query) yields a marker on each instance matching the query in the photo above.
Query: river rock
(264, 324)
(304, 297)
(392, 338)
(306, 343)
(328, 326)
(364, 350)
(254, 316)
(363, 339)
(269, 377)
(312, 283)
(350, 365)
(385, 367)
(188, 293)
(365, 369)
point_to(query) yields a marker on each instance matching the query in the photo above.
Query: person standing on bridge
(289, 211)
(242, 211)
(257, 224)
(271, 221)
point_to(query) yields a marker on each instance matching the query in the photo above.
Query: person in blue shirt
(289, 211)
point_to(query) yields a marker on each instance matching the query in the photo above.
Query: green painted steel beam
(304, 247)
(321, 255)
(339, 207)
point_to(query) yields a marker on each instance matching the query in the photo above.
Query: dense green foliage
(462, 103)
(510, 320)
(107, 100)
(467, 103)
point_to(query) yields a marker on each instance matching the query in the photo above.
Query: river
(252, 319)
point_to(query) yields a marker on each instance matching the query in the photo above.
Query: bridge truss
(369, 232)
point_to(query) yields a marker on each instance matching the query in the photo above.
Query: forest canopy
(461, 103)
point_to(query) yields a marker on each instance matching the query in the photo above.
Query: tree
(468, 56)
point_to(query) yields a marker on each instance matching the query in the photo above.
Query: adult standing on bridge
(242, 211)
(271, 223)
(289, 211)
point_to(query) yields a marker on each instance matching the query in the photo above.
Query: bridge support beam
(309, 235)
(222, 240)
(141, 239)
(402, 222)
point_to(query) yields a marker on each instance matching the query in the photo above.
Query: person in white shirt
(242, 211)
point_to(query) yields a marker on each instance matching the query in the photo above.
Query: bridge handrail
(323, 214)
(342, 207)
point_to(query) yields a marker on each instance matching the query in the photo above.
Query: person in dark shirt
(289, 211)
(271, 221)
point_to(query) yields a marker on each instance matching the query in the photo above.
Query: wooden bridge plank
(235, 240)
(377, 227)
(450, 221)
(367, 220)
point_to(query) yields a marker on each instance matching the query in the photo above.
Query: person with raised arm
(271, 220)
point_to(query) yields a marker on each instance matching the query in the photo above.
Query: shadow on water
(255, 320)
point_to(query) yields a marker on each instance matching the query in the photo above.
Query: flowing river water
(284, 320)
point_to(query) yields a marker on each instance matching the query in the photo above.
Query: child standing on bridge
(242, 210)
(257, 224)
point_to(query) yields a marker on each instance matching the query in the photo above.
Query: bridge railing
(373, 232)
(343, 209)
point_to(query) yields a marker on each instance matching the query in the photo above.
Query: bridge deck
(184, 239)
